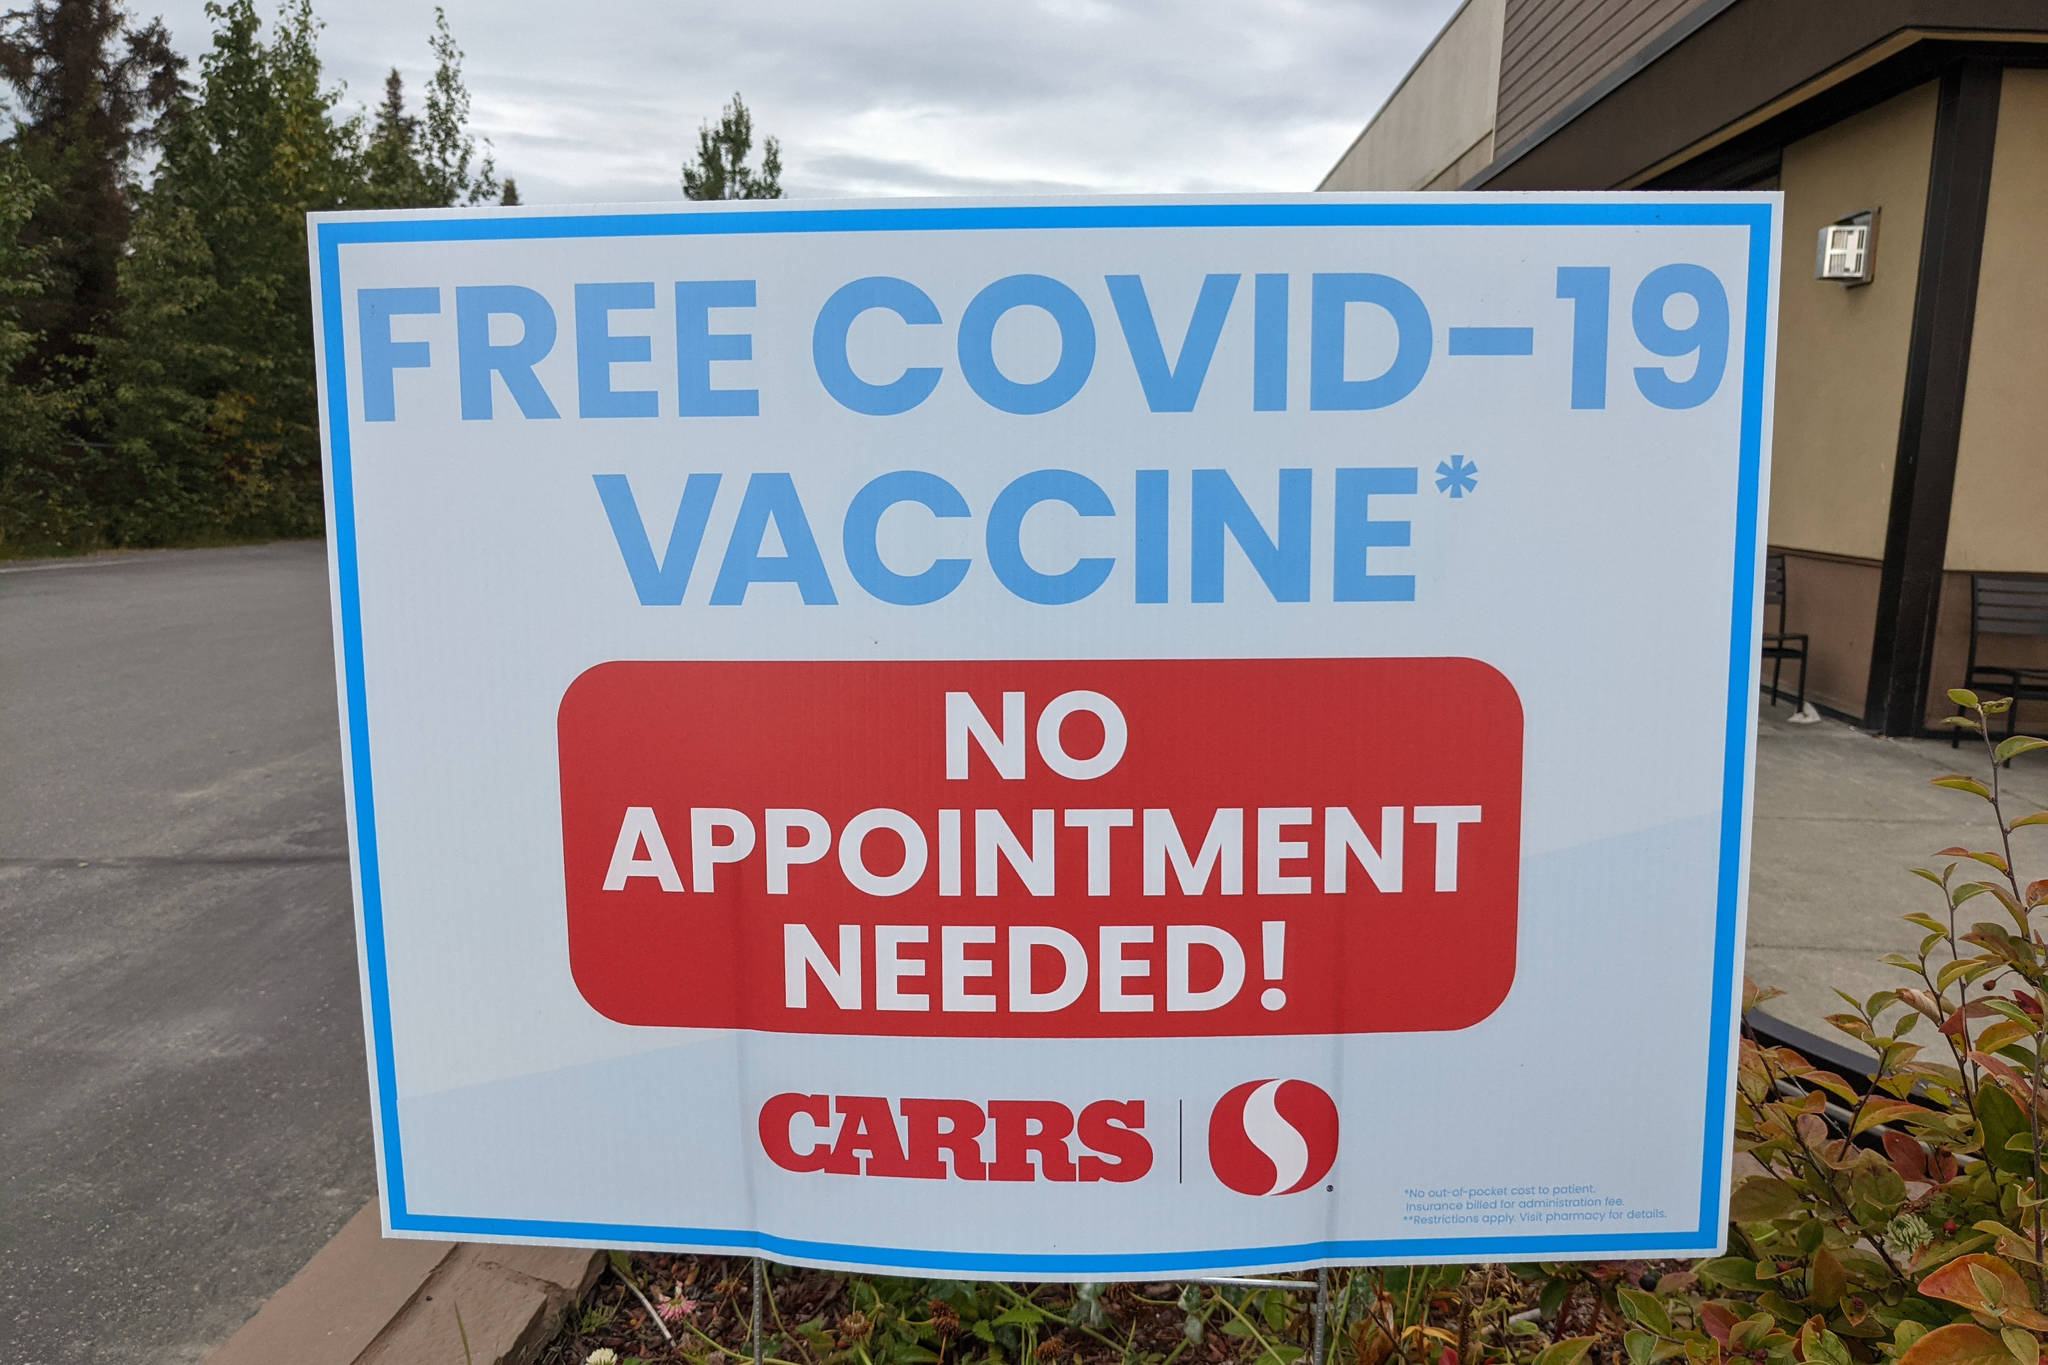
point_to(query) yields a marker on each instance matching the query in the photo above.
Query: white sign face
(1081, 740)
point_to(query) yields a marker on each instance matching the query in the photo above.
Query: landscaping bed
(1448, 1315)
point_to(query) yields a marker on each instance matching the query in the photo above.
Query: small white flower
(603, 1355)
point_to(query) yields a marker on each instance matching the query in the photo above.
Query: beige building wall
(1842, 350)
(1999, 520)
(1437, 127)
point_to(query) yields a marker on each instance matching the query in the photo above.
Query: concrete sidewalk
(1840, 818)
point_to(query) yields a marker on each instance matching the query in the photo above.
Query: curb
(367, 1300)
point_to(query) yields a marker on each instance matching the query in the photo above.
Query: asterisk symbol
(1457, 476)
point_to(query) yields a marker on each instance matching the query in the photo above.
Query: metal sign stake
(757, 1310)
(1321, 1316)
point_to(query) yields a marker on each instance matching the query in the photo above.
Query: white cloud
(601, 101)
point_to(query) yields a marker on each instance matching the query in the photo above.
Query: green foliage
(39, 501)
(429, 160)
(156, 347)
(87, 83)
(208, 392)
(721, 171)
(160, 380)
(1902, 1219)
(1421, 1315)
(174, 400)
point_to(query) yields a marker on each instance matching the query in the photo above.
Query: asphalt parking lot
(185, 1119)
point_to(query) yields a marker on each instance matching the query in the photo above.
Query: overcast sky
(600, 100)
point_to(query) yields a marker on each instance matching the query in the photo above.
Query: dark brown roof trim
(1742, 65)
(1683, 28)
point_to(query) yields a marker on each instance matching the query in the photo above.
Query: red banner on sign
(1125, 848)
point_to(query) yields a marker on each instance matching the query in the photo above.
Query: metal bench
(1778, 646)
(2006, 604)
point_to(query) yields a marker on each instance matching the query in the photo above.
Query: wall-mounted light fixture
(1847, 250)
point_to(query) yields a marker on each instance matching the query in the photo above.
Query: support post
(757, 1311)
(1321, 1335)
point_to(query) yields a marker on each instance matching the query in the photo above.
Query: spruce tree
(87, 83)
(431, 159)
(721, 171)
(390, 161)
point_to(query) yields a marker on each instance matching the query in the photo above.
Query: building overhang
(1716, 93)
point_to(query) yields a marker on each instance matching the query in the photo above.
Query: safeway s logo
(1273, 1136)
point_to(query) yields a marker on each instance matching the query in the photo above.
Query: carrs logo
(937, 1139)
(1273, 1136)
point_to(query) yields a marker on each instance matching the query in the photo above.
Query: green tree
(208, 397)
(164, 382)
(447, 148)
(87, 82)
(37, 505)
(508, 196)
(390, 160)
(428, 160)
(721, 171)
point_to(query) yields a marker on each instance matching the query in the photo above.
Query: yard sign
(1075, 740)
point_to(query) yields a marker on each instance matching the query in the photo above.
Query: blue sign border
(333, 234)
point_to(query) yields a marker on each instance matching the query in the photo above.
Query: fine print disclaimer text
(1501, 1206)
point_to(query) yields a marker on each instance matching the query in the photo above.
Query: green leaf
(1570, 1351)
(1957, 782)
(1962, 696)
(2039, 817)
(1990, 1291)
(1819, 1346)
(1758, 1200)
(1021, 1315)
(1731, 1272)
(2004, 1033)
(2002, 1119)
(1884, 1111)
(1644, 1308)
(1641, 1346)
(1829, 1278)
(2017, 745)
(2025, 1346)
(2010, 1009)
(1751, 1332)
